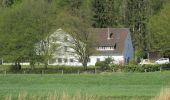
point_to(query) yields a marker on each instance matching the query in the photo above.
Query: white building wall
(116, 59)
(64, 50)
(69, 54)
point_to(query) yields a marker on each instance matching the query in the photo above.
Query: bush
(133, 62)
(165, 66)
(115, 67)
(151, 68)
(16, 67)
(140, 68)
(52, 69)
(102, 65)
(133, 68)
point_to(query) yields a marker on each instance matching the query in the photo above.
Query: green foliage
(103, 13)
(24, 25)
(76, 21)
(119, 86)
(101, 64)
(15, 68)
(133, 62)
(49, 70)
(165, 67)
(137, 14)
(140, 68)
(151, 68)
(139, 54)
(159, 27)
(104, 65)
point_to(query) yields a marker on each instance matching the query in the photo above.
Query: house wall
(64, 54)
(93, 60)
(116, 59)
(128, 51)
(72, 59)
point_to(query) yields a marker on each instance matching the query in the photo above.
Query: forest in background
(23, 23)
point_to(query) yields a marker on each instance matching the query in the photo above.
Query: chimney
(108, 33)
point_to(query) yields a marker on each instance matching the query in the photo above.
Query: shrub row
(49, 70)
(80, 69)
(132, 67)
(140, 68)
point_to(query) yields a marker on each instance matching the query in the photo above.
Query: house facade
(115, 43)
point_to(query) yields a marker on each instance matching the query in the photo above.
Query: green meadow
(108, 86)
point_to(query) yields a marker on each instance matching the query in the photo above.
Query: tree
(159, 27)
(104, 13)
(25, 25)
(120, 13)
(137, 17)
(137, 14)
(83, 45)
(77, 24)
(45, 49)
(8, 3)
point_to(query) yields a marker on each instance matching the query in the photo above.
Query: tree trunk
(85, 64)
(32, 64)
(45, 64)
(17, 65)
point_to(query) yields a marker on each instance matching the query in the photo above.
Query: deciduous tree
(159, 27)
(23, 26)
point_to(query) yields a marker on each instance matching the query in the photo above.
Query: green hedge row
(140, 68)
(80, 69)
(103, 65)
(49, 70)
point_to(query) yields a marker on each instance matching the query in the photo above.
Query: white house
(111, 42)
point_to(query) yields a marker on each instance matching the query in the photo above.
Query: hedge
(141, 68)
(49, 70)
(80, 69)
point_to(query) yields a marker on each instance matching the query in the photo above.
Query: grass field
(113, 86)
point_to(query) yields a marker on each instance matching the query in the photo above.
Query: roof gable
(111, 37)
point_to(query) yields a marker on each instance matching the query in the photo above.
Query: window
(80, 60)
(65, 48)
(98, 59)
(66, 38)
(65, 60)
(71, 60)
(59, 60)
(111, 35)
(89, 60)
(51, 61)
(54, 39)
(115, 46)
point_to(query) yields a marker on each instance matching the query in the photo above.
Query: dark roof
(118, 38)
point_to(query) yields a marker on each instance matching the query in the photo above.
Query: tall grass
(51, 96)
(115, 86)
(164, 95)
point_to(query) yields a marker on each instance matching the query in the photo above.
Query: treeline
(139, 16)
(24, 23)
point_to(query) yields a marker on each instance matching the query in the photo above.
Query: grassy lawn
(117, 86)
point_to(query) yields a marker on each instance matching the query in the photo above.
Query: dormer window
(111, 36)
(65, 38)
(115, 45)
(54, 39)
(65, 48)
(105, 48)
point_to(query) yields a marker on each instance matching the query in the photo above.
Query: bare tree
(83, 45)
(46, 49)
